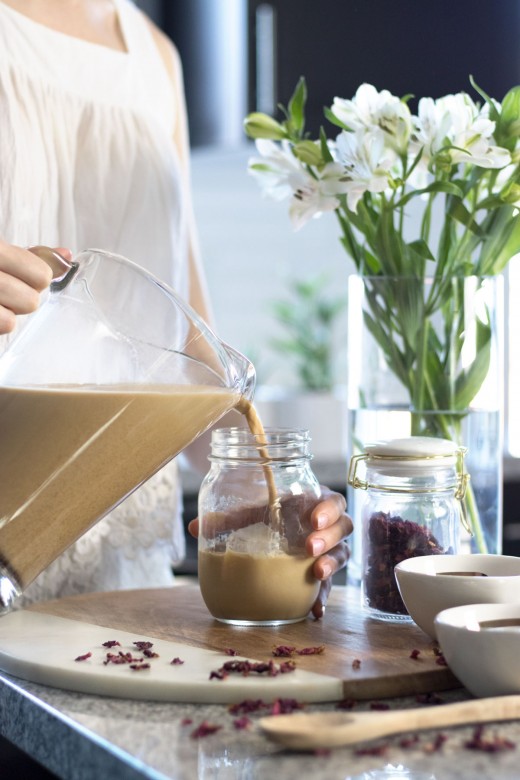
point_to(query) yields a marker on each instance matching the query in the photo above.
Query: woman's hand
(327, 542)
(23, 276)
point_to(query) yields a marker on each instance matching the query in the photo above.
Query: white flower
(366, 162)
(282, 175)
(454, 123)
(370, 109)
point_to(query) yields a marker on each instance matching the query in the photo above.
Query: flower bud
(258, 125)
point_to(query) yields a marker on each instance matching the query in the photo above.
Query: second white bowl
(431, 583)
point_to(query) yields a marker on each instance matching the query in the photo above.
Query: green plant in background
(308, 318)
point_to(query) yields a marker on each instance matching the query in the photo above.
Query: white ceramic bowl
(427, 588)
(485, 659)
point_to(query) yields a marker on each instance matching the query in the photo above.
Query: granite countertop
(80, 736)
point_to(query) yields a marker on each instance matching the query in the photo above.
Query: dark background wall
(406, 46)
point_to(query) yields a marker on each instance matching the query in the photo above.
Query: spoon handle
(472, 711)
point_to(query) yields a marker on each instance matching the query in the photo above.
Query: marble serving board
(362, 658)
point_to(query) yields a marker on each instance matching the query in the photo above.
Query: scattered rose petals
(176, 661)
(121, 658)
(346, 704)
(319, 650)
(242, 723)
(150, 653)
(408, 742)
(415, 654)
(247, 706)
(285, 706)
(356, 663)
(436, 745)
(494, 744)
(112, 643)
(139, 667)
(143, 645)
(204, 730)
(83, 657)
(218, 674)
(283, 651)
(375, 750)
(247, 667)
(440, 660)
(379, 705)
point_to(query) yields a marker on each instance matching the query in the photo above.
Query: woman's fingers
(23, 276)
(324, 568)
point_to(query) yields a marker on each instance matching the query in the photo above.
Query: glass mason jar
(254, 517)
(414, 504)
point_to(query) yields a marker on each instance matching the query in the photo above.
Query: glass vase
(425, 357)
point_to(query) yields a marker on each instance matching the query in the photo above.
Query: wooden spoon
(309, 731)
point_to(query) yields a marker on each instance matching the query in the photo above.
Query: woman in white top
(94, 152)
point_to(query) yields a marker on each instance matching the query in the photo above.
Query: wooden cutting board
(41, 643)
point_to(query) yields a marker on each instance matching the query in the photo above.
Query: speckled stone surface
(83, 737)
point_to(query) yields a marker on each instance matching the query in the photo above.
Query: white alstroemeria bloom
(370, 109)
(313, 195)
(366, 161)
(281, 175)
(457, 124)
(274, 168)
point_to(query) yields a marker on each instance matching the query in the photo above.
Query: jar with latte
(255, 505)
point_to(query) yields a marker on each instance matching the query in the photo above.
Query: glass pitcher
(110, 379)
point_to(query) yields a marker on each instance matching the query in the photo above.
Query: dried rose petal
(248, 705)
(493, 745)
(143, 645)
(231, 651)
(318, 650)
(218, 674)
(415, 654)
(440, 660)
(204, 730)
(436, 745)
(121, 658)
(346, 704)
(186, 721)
(139, 667)
(176, 661)
(356, 663)
(83, 657)
(408, 742)
(376, 750)
(283, 651)
(242, 723)
(150, 653)
(379, 705)
(287, 666)
(112, 643)
(285, 706)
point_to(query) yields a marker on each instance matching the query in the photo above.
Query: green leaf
(333, 119)
(458, 211)
(296, 106)
(436, 186)
(508, 122)
(325, 151)
(470, 381)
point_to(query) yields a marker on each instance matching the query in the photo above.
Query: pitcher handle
(62, 269)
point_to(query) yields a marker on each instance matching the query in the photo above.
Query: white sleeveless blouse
(87, 159)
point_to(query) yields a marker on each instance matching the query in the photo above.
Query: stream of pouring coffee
(246, 408)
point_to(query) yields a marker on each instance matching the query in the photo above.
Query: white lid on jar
(400, 457)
